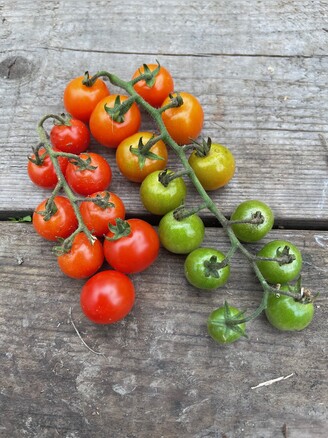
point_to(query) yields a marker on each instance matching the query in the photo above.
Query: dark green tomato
(202, 270)
(220, 331)
(287, 314)
(159, 199)
(181, 236)
(273, 271)
(255, 210)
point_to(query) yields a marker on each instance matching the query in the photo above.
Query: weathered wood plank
(160, 374)
(264, 90)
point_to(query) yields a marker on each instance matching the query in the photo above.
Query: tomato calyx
(81, 163)
(166, 176)
(175, 102)
(202, 148)
(143, 150)
(102, 201)
(38, 159)
(148, 76)
(182, 212)
(231, 321)
(121, 229)
(256, 218)
(50, 210)
(283, 256)
(87, 81)
(63, 120)
(213, 267)
(118, 111)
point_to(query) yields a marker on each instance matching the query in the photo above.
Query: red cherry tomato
(107, 297)
(73, 137)
(96, 216)
(96, 177)
(60, 225)
(80, 100)
(83, 259)
(42, 173)
(109, 132)
(156, 93)
(134, 252)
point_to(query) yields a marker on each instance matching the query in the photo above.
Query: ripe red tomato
(80, 100)
(155, 93)
(129, 164)
(107, 297)
(96, 177)
(96, 216)
(109, 132)
(184, 123)
(73, 137)
(42, 172)
(60, 225)
(134, 252)
(83, 259)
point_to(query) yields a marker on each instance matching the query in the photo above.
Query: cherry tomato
(202, 268)
(73, 137)
(94, 178)
(60, 225)
(41, 170)
(252, 210)
(185, 122)
(155, 93)
(107, 297)
(275, 272)
(80, 100)
(109, 132)
(97, 216)
(83, 259)
(129, 163)
(160, 199)
(181, 236)
(134, 252)
(215, 169)
(219, 330)
(287, 314)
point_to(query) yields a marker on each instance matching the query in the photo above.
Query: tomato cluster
(89, 223)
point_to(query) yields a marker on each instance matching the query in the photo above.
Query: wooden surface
(260, 72)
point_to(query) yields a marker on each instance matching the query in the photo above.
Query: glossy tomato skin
(185, 122)
(215, 169)
(60, 225)
(84, 258)
(181, 236)
(73, 138)
(198, 275)
(108, 132)
(80, 100)
(271, 270)
(97, 218)
(135, 252)
(44, 174)
(221, 332)
(158, 92)
(88, 181)
(252, 232)
(107, 297)
(159, 199)
(287, 314)
(128, 162)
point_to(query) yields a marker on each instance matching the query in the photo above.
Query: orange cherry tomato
(80, 100)
(184, 123)
(109, 132)
(128, 163)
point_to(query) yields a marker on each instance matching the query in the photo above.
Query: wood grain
(159, 373)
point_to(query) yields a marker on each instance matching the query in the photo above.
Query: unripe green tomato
(200, 270)
(246, 211)
(159, 199)
(274, 272)
(287, 314)
(181, 236)
(219, 330)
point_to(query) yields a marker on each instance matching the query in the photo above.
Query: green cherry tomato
(256, 211)
(159, 198)
(287, 314)
(202, 268)
(274, 271)
(215, 169)
(181, 236)
(219, 330)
